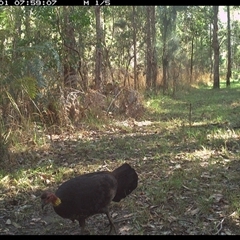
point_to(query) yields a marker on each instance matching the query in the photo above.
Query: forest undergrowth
(185, 150)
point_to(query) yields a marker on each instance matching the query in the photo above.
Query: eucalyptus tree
(167, 22)
(167, 15)
(138, 37)
(134, 27)
(235, 29)
(194, 24)
(99, 40)
(229, 50)
(120, 44)
(124, 41)
(216, 81)
(151, 60)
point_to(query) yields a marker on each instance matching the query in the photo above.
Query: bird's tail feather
(127, 179)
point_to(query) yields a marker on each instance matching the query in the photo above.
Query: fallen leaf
(171, 219)
(36, 219)
(16, 225)
(48, 181)
(195, 211)
(234, 214)
(33, 196)
(228, 232)
(206, 175)
(128, 215)
(217, 197)
(125, 229)
(154, 206)
(178, 166)
(24, 207)
(151, 225)
(8, 222)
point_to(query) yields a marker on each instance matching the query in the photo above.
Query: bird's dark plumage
(127, 179)
(90, 194)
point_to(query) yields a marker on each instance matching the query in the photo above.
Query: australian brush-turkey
(91, 193)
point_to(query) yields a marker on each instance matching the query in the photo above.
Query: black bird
(91, 193)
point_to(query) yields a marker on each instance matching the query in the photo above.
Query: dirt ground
(22, 213)
(47, 222)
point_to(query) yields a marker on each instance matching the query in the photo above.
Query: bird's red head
(48, 197)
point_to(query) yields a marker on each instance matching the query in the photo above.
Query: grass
(187, 164)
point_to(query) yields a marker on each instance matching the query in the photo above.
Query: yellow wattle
(57, 202)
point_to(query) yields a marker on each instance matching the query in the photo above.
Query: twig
(220, 223)
(113, 101)
(122, 219)
(187, 188)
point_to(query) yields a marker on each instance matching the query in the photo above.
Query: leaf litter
(179, 192)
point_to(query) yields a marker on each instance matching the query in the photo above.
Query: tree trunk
(229, 63)
(165, 67)
(151, 72)
(154, 53)
(69, 46)
(216, 83)
(165, 59)
(98, 63)
(17, 34)
(105, 62)
(191, 61)
(27, 24)
(135, 50)
(168, 15)
(210, 52)
(149, 49)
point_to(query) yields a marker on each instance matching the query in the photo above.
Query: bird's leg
(111, 223)
(82, 225)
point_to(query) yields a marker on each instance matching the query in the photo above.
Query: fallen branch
(188, 188)
(220, 223)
